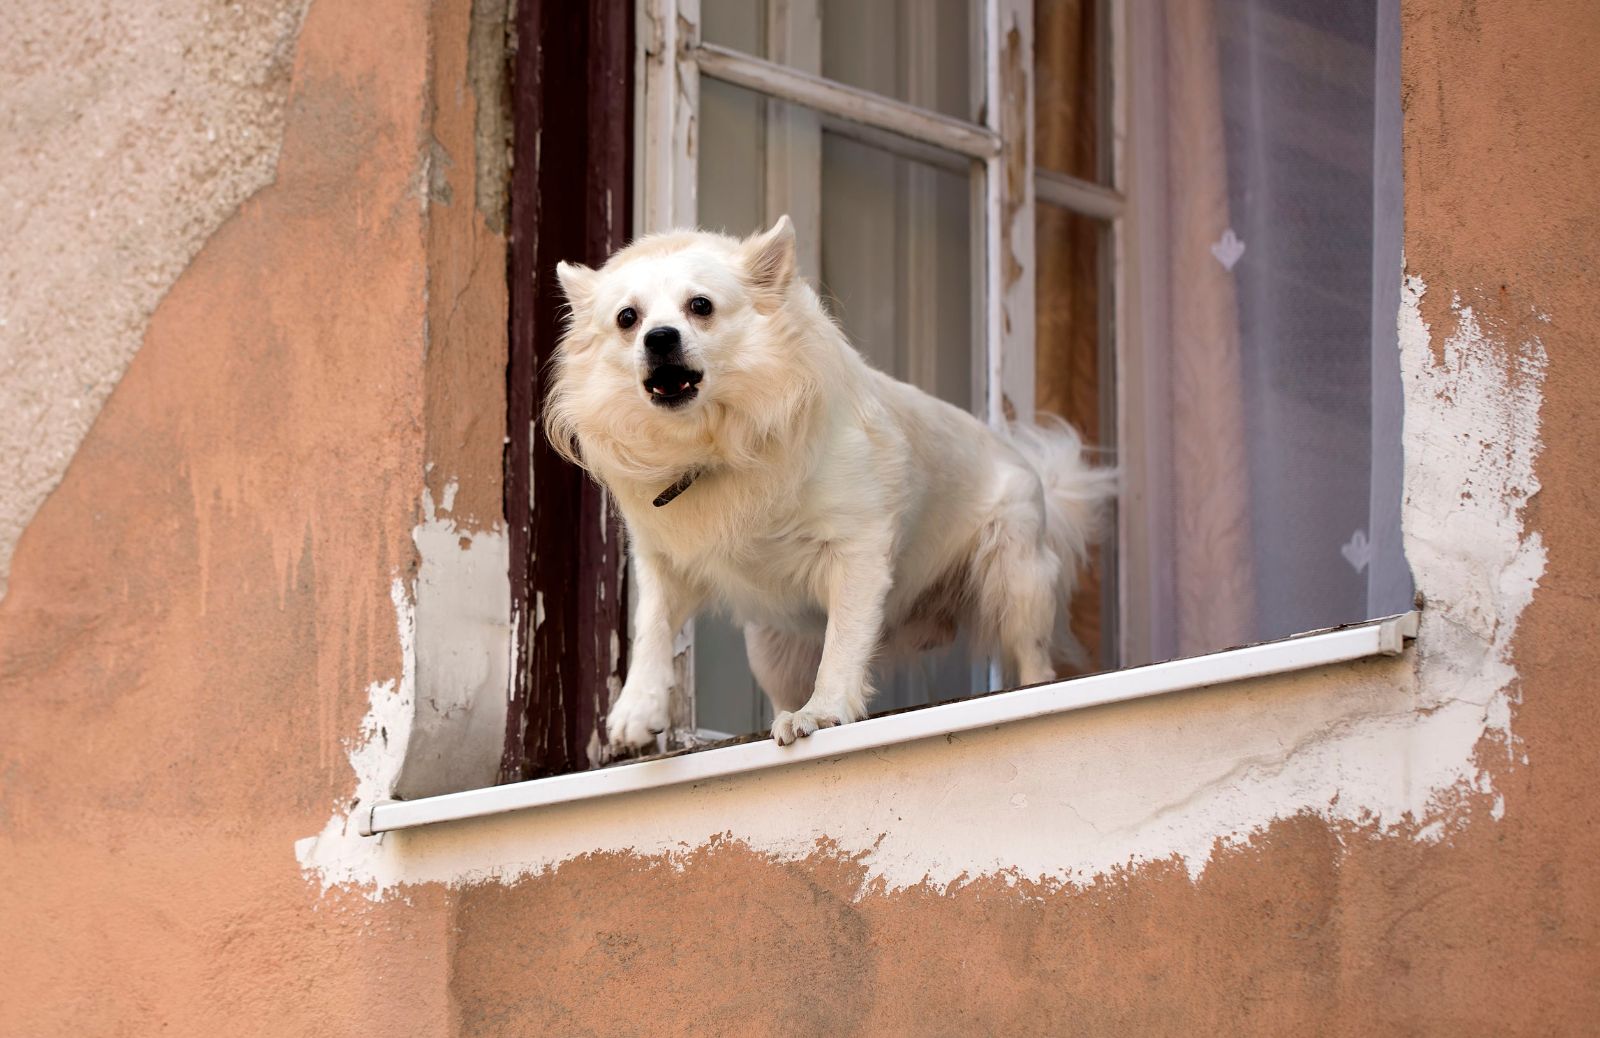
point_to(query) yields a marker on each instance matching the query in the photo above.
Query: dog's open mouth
(672, 385)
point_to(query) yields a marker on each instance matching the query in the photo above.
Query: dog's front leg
(858, 583)
(664, 602)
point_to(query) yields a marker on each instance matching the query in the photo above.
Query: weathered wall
(197, 611)
(222, 585)
(129, 132)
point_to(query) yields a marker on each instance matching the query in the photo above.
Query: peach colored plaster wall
(196, 611)
(194, 616)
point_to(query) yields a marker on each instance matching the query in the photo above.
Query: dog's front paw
(635, 721)
(797, 724)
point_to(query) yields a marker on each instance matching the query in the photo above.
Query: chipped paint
(339, 855)
(440, 726)
(1472, 439)
(1009, 237)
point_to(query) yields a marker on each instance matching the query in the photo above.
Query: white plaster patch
(339, 855)
(1472, 439)
(442, 726)
(463, 652)
(1387, 743)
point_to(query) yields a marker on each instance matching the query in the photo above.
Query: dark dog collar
(667, 496)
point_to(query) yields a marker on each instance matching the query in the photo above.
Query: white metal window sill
(1384, 637)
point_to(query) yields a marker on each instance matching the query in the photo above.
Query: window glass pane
(1270, 256)
(1074, 380)
(730, 188)
(1068, 102)
(898, 265)
(925, 52)
(891, 243)
(740, 24)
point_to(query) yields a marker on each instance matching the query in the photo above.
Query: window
(1260, 367)
(1176, 225)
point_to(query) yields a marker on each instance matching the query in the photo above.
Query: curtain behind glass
(1267, 200)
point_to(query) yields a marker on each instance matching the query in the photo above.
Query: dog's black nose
(661, 341)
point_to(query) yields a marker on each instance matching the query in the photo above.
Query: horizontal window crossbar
(1080, 196)
(847, 102)
(1384, 637)
(895, 144)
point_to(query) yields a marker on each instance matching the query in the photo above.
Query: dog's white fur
(836, 512)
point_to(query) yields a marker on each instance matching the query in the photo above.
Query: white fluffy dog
(764, 467)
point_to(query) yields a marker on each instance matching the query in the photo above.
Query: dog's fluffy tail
(1077, 502)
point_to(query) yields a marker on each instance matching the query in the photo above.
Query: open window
(1175, 224)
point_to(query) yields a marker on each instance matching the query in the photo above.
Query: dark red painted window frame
(571, 195)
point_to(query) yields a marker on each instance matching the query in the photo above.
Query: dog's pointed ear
(577, 284)
(770, 263)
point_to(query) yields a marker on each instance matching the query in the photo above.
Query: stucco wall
(197, 610)
(211, 645)
(130, 133)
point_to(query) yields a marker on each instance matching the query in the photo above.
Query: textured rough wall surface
(128, 133)
(197, 611)
(209, 623)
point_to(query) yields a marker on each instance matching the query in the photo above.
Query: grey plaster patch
(128, 134)
(486, 69)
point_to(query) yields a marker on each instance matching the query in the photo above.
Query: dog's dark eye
(700, 306)
(627, 318)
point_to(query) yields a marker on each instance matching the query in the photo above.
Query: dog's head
(677, 311)
(670, 331)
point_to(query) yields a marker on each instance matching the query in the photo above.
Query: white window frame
(674, 58)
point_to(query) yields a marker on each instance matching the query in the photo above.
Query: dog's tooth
(682, 387)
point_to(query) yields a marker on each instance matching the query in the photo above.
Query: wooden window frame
(571, 191)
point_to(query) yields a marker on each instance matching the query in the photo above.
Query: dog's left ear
(770, 264)
(577, 284)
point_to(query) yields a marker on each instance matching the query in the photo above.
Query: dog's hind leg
(1015, 575)
(785, 664)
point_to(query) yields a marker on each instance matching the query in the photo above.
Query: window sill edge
(1383, 637)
